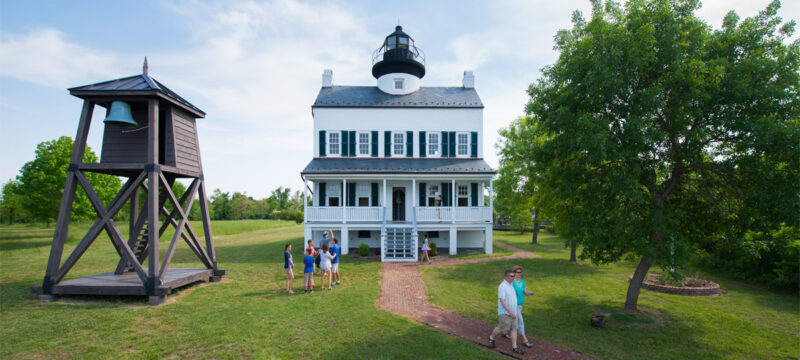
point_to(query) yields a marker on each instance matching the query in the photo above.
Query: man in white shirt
(507, 318)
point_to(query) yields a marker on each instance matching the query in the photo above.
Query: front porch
(375, 214)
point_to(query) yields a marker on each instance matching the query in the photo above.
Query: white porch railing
(446, 213)
(427, 214)
(334, 213)
(363, 213)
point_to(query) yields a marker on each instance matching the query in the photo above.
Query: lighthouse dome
(398, 64)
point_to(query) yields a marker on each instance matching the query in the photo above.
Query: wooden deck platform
(126, 284)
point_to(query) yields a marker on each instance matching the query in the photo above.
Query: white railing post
(344, 201)
(305, 200)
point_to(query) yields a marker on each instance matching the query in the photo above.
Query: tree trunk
(572, 257)
(535, 219)
(636, 283)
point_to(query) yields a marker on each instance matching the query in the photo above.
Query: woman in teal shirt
(522, 291)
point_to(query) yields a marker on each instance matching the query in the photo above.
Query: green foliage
(11, 209)
(281, 204)
(433, 251)
(41, 182)
(515, 186)
(659, 134)
(363, 249)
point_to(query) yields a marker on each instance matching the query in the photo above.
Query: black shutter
(474, 145)
(387, 144)
(445, 141)
(445, 194)
(409, 144)
(353, 143)
(345, 142)
(375, 193)
(422, 196)
(422, 150)
(322, 143)
(351, 194)
(374, 143)
(322, 198)
(474, 194)
(452, 145)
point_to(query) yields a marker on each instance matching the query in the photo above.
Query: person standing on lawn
(325, 265)
(425, 248)
(506, 312)
(288, 264)
(308, 271)
(335, 263)
(521, 290)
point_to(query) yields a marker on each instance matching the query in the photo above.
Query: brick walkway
(403, 293)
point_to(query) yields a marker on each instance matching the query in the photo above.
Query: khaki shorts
(289, 272)
(506, 323)
(335, 268)
(308, 278)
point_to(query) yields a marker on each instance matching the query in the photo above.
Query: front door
(398, 204)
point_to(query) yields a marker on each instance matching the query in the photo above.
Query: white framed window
(334, 147)
(398, 84)
(462, 144)
(433, 144)
(333, 193)
(463, 195)
(363, 192)
(433, 193)
(363, 143)
(398, 144)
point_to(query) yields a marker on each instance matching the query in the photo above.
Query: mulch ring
(403, 293)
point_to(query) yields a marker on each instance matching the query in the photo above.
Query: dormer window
(398, 84)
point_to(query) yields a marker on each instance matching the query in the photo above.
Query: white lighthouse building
(399, 160)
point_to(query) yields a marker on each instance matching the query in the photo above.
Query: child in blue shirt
(308, 272)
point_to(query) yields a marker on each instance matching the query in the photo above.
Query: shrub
(363, 250)
(433, 251)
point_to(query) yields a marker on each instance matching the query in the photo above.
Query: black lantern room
(398, 55)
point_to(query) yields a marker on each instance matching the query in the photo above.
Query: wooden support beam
(91, 235)
(151, 167)
(67, 197)
(207, 223)
(184, 214)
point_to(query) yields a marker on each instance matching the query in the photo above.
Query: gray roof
(371, 96)
(396, 166)
(137, 83)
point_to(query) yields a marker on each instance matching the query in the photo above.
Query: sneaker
(338, 282)
(312, 291)
(305, 292)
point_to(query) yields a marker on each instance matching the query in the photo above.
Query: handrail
(417, 54)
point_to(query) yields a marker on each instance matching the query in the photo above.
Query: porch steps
(400, 244)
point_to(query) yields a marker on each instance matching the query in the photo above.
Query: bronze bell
(120, 114)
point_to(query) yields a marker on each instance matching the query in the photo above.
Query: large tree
(658, 130)
(41, 182)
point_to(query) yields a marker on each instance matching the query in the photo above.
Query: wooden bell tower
(154, 146)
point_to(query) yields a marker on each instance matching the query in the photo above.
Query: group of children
(326, 259)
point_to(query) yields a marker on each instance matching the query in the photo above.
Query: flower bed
(689, 286)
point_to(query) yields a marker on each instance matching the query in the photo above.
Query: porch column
(384, 197)
(453, 200)
(488, 239)
(344, 201)
(491, 200)
(345, 245)
(453, 240)
(414, 198)
(305, 200)
(307, 233)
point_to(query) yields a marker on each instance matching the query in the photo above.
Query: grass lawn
(747, 322)
(247, 315)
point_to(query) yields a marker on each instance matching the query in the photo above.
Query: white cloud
(44, 57)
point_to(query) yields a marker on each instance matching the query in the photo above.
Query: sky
(255, 67)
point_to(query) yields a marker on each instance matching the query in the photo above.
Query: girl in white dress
(325, 259)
